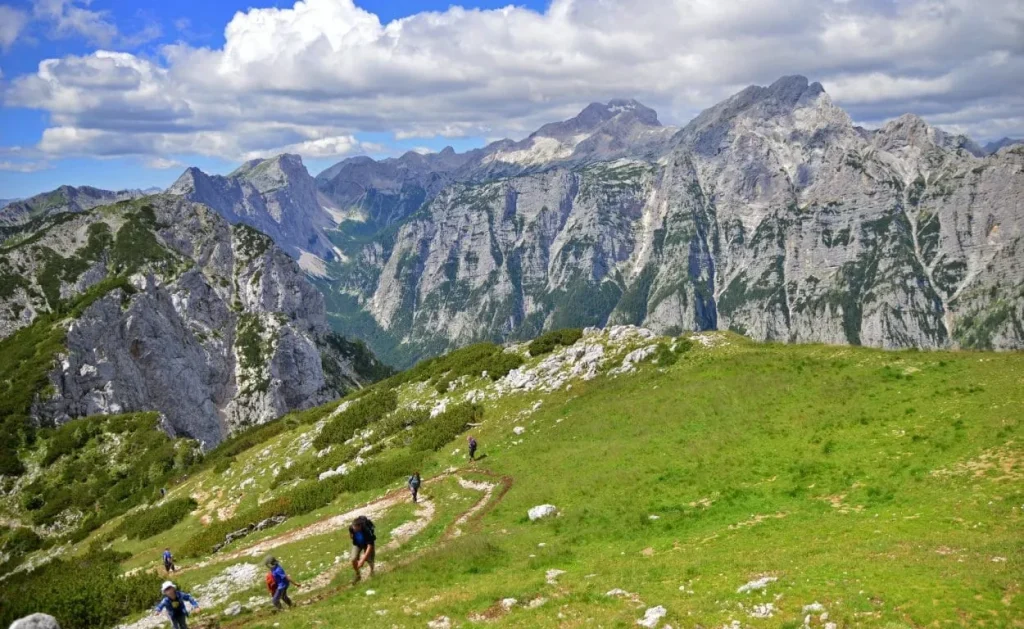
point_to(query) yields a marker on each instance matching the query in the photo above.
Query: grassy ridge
(885, 486)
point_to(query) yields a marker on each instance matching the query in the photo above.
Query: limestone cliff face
(208, 323)
(276, 196)
(770, 214)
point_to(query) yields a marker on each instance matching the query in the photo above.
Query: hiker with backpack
(169, 561)
(364, 542)
(174, 602)
(278, 582)
(472, 448)
(414, 485)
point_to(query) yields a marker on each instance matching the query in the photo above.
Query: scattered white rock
(766, 610)
(814, 608)
(537, 602)
(652, 617)
(519, 430)
(542, 511)
(552, 576)
(371, 592)
(755, 585)
(634, 358)
(508, 603)
(440, 407)
(441, 622)
(233, 609)
(654, 517)
(230, 581)
(617, 592)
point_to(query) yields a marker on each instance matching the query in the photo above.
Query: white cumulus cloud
(308, 78)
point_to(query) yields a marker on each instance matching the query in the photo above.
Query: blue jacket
(167, 555)
(280, 578)
(177, 607)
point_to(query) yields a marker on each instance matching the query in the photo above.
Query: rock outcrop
(162, 305)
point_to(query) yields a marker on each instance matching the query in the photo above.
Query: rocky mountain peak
(595, 115)
(911, 131)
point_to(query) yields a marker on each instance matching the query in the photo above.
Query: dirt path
(493, 494)
(240, 577)
(372, 510)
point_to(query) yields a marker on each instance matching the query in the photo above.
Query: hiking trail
(241, 577)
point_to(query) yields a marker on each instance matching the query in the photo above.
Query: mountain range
(770, 214)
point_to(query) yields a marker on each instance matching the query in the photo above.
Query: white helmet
(167, 584)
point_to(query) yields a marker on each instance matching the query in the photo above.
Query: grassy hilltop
(732, 483)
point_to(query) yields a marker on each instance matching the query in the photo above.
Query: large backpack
(271, 583)
(368, 528)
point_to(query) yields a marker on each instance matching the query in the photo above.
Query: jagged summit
(595, 115)
(276, 195)
(912, 131)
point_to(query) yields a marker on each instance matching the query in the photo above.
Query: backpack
(368, 528)
(472, 443)
(271, 583)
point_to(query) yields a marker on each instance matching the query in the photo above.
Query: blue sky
(131, 93)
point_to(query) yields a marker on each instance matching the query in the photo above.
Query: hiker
(364, 542)
(472, 448)
(169, 561)
(163, 492)
(414, 485)
(174, 602)
(281, 583)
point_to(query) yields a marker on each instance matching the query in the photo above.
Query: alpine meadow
(290, 337)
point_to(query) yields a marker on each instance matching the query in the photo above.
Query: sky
(125, 94)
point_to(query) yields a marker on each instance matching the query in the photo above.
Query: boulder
(36, 621)
(542, 511)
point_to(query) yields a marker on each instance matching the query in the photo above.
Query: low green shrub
(400, 420)
(77, 474)
(18, 542)
(156, 520)
(472, 360)
(360, 414)
(81, 593)
(550, 340)
(441, 430)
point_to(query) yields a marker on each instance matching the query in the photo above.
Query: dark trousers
(281, 595)
(179, 622)
(415, 491)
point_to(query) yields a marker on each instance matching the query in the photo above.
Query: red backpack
(271, 584)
